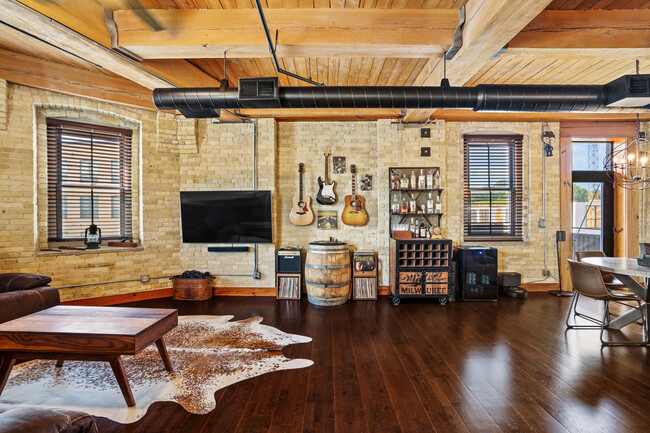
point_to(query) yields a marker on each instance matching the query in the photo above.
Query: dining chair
(610, 281)
(588, 281)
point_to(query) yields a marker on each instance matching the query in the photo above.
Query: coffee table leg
(118, 369)
(7, 362)
(163, 353)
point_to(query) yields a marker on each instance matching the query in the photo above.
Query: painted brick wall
(23, 191)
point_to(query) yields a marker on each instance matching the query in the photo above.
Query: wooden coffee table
(88, 334)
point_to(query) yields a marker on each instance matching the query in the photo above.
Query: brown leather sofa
(22, 294)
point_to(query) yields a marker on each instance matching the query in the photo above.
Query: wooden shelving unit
(422, 269)
(364, 275)
(418, 195)
(288, 286)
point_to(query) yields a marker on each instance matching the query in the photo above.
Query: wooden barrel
(187, 289)
(327, 273)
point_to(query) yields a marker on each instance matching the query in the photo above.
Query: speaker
(509, 279)
(560, 236)
(288, 261)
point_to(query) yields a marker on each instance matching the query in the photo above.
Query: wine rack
(423, 269)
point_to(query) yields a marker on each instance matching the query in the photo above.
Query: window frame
(514, 144)
(57, 165)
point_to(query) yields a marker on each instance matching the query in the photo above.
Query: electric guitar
(326, 194)
(301, 213)
(354, 214)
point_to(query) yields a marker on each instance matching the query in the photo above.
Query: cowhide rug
(207, 353)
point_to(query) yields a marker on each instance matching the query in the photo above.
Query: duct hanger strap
(458, 36)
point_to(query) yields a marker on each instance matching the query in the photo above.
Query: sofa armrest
(13, 281)
(18, 419)
(23, 302)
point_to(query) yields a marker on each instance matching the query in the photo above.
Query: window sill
(101, 250)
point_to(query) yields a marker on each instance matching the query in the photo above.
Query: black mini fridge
(476, 273)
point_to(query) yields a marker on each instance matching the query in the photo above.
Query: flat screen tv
(226, 217)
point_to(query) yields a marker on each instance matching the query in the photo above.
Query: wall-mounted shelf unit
(414, 199)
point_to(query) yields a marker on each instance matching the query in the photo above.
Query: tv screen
(226, 216)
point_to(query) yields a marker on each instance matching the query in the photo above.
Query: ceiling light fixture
(627, 163)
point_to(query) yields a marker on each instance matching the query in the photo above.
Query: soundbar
(227, 249)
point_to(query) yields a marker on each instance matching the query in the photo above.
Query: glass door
(593, 198)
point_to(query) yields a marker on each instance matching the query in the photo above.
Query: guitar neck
(327, 174)
(301, 187)
(354, 187)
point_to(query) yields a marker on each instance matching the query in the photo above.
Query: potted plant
(193, 286)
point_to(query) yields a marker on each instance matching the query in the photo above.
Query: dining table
(625, 269)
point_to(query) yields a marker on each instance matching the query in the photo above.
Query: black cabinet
(422, 269)
(476, 271)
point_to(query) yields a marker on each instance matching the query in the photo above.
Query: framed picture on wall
(327, 219)
(365, 183)
(338, 164)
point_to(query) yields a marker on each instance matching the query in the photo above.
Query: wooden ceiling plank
(614, 53)
(364, 72)
(334, 66)
(344, 71)
(490, 25)
(377, 66)
(301, 33)
(586, 29)
(319, 4)
(323, 70)
(44, 74)
(355, 68)
(385, 72)
(415, 72)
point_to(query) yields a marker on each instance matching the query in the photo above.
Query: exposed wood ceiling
(363, 42)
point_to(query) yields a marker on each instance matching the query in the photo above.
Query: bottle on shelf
(438, 205)
(430, 204)
(436, 180)
(423, 230)
(394, 180)
(405, 206)
(413, 206)
(414, 229)
(413, 184)
(422, 181)
(404, 182)
(429, 182)
(395, 205)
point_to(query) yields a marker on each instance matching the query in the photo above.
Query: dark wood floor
(422, 367)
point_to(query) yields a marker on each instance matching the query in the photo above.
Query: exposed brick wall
(23, 191)
(3, 105)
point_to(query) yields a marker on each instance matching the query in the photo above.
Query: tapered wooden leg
(163, 353)
(118, 369)
(7, 362)
(59, 363)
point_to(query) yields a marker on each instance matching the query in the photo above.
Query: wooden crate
(364, 276)
(288, 286)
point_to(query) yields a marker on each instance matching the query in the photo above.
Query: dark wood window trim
(493, 188)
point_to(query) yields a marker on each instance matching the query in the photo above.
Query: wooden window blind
(493, 187)
(89, 178)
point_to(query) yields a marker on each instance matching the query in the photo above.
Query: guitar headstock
(327, 151)
(301, 168)
(353, 169)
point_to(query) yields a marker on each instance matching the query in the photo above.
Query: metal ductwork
(265, 93)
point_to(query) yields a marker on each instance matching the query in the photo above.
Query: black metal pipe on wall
(507, 98)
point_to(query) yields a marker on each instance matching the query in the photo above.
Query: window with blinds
(89, 180)
(493, 187)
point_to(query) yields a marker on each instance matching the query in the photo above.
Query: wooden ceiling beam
(591, 29)
(87, 18)
(490, 25)
(207, 33)
(473, 116)
(44, 74)
(324, 115)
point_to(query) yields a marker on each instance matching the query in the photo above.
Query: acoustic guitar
(301, 213)
(354, 213)
(326, 194)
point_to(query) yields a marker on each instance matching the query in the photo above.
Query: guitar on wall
(354, 214)
(301, 213)
(326, 194)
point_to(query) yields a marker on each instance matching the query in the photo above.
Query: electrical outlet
(541, 223)
(546, 273)
(144, 278)
(256, 275)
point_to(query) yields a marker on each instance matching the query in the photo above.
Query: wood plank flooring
(508, 366)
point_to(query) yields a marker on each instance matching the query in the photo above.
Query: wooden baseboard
(244, 291)
(120, 299)
(540, 287)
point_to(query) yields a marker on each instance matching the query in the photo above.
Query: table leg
(59, 363)
(632, 315)
(160, 343)
(118, 370)
(7, 362)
